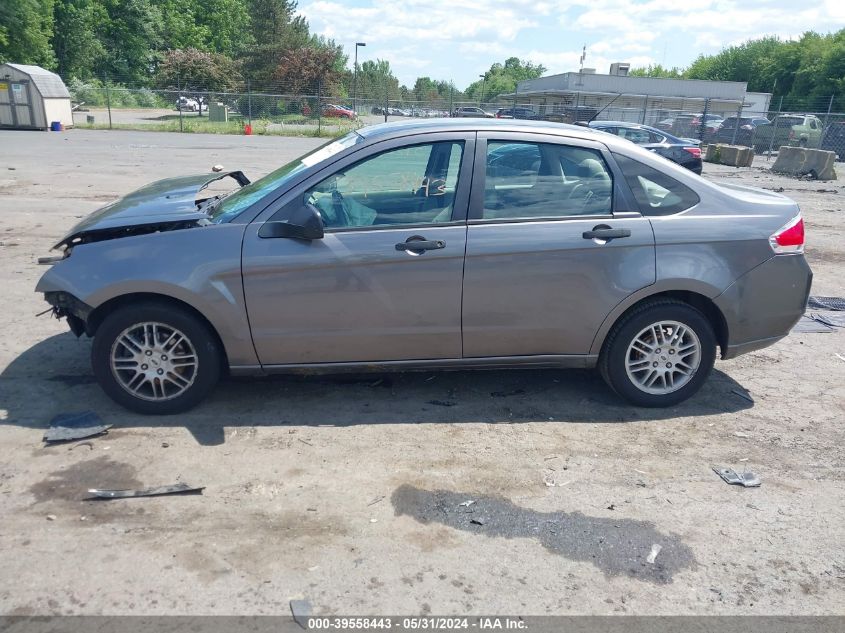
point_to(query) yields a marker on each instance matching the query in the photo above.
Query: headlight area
(66, 305)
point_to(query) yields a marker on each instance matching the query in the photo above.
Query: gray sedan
(445, 244)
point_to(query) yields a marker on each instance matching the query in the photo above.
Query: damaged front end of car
(173, 204)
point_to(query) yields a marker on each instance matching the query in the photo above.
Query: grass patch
(198, 125)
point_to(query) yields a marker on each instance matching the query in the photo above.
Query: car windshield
(231, 206)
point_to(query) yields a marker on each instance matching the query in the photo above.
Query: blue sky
(458, 39)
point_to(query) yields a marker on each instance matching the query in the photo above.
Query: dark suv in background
(834, 139)
(745, 133)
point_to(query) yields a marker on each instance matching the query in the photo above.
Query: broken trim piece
(730, 476)
(99, 493)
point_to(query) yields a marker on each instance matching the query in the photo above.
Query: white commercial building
(620, 96)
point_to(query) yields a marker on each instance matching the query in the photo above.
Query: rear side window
(543, 180)
(656, 193)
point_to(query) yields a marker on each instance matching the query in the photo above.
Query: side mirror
(303, 223)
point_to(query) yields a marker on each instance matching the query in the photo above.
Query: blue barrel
(56, 126)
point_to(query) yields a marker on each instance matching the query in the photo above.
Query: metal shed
(31, 98)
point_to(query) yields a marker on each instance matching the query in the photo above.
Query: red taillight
(789, 238)
(695, 151)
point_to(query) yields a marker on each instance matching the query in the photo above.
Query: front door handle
(417, 244)
(604, 232)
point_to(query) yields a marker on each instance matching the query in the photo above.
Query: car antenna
(592, 118)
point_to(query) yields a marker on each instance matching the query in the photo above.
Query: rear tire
(155, 358)
(659, 354)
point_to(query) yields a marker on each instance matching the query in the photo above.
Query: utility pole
(702, 126)
(108, 96)
(829, 108)
(179, 101)
(736, 127)
(355, 79)
(481, 96)
(775, 128)
(249, 103)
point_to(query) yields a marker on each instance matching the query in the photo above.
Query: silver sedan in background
(444, 244)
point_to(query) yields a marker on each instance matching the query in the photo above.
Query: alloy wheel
(663, 357)
(154, 361)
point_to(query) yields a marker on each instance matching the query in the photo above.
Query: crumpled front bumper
(75, 311)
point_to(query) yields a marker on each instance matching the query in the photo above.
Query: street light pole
(481, 96)
(355, 79)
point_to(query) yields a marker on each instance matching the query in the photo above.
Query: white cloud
(460, 38)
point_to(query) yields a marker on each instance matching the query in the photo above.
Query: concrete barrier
(733, 155)
(800, 161)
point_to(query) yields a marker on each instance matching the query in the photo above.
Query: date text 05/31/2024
(431, 623)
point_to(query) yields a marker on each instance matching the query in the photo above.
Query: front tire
(155, 358)
(659, 354)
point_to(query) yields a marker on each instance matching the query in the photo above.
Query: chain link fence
(308, 110)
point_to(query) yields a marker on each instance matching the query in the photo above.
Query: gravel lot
(347, 491)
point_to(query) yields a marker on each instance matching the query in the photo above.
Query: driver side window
(409, 185)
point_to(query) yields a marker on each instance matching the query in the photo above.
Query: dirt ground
(348, 491)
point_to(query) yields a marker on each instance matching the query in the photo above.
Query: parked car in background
(801, 130)
(685, 152)
(689, 125)
(186, 104)
(665, 124)
(517, 113)
(744, 134)
(331, 110)
(522, 243)
(833, 139)
(470, 112)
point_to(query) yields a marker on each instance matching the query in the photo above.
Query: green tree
(26, 27)
(373, 78)
(128, 31)
(75, 42)
(307, 69)
(275, 29)
(194, 73)
(502, 79)
(657, 70)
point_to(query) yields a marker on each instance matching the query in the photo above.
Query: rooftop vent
(620, 69)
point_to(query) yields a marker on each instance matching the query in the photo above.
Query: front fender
(199, 266)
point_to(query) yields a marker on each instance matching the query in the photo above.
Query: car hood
(172, 200)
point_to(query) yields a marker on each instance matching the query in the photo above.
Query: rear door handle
(420, 245)
(604, 232)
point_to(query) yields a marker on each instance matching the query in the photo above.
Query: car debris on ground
(808, 325)
(743, 394)
(98, 493)
(730, 476)
(301, 611)
(67, 427)
(827, 303)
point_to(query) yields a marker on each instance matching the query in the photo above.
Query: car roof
(404, 128)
